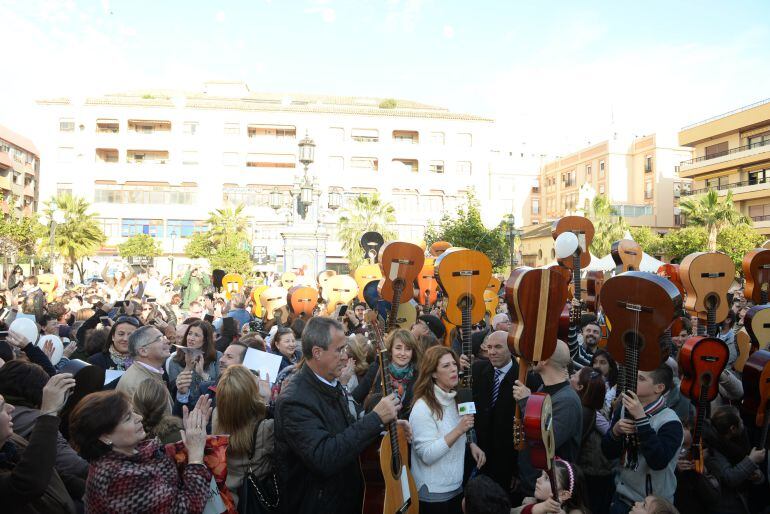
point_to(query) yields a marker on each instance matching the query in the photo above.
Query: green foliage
(232, 259)
(140, 245)
(648, 239)
(388, 103)
(466, 230)
(736, 241)
(228, 226)
(364, 214)
(609, 226)
(711, 213)
(20, 235)
(677, 244)
(199, 246)
(225, 244)
(80, 235)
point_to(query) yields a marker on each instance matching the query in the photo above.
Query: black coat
(318, 443)
(372, 383)
(494, 425)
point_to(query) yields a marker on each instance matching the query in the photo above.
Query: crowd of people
(181, 425)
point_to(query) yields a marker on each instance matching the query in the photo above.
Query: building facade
(732, 152)
(158, 162)
(19, 174)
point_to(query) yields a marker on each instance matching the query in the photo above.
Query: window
(364, 162)
(146, 156)
(107, 155)
(759, 140)
(190, 128)
(110, 226)
(66, 125)
(717, 183)
(63, 188)
(365, 135)
(411, 165)
(716, 150)
(269, 160)
(411, 137)
(588, 172)
(190, 157)
(601, 169)
(230, 158)
(107, 126)
(463, 167)
(535, 206)
(436, 166)
(131, 227)
(568, 179)
(648, 190)
(273, 132)
(336, 164)
(432, 203)
(232, 129)
(65, 154)
(149, 126)
(464, 139)
(146, 193)
(758, 176)
(336, 134)
(437, 138)
(185, 228)
(648, 164)
(601, 189)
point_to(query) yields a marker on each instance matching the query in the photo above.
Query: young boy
(649, 470)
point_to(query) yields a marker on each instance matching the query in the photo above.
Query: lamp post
(512, 233)
(57, 218)
(171, 257)
(306, 190)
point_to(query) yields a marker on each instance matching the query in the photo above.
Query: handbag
(258, 495)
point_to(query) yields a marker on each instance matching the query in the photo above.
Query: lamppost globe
(58, 216)
(306, 192)
(306, 151)
(335, 200)
(276, 199)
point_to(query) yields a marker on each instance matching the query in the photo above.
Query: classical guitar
(427, 286)
(745, 349)
(406, 316)
(438, 248)
(535, 298)
(370, 242)
(627, 255)
(701, 361)
(401, 264)
(757, 325)
(463, 275)
(302, 301)
(756, 391)
(584, 230)
(273, 300)
(232, 283)
(288, 278)
(641, 307)
(671, 272)
(323, 277)
(706, 277)
(594, 281)
(400, 492)
(538, 429)
(255, 293)
(756, 271)
(339, 290)
(492, 296)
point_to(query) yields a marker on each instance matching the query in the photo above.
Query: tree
(609, 227)
(677, 244)
(199, 246)
(228, 226)
(364, 214)
(140, 245)
(80, 235)
(709, 212)
(648, 239)
(736, 241)
(232, 259)
(19, 235)
(466, 230)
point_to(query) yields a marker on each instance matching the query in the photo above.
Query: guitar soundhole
(465, 302)
(711, 301)
(633, 341)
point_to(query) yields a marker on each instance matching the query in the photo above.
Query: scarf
(123, 362)
(400, 377)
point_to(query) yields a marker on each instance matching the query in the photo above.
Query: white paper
(267, 364)
(405, 494)
(215, 504)
(112, 374)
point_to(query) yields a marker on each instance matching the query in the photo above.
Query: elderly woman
(285, 345)
(130, 474)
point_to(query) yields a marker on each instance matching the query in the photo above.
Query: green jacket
(193, 287)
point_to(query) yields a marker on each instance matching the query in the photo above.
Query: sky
(555, 75)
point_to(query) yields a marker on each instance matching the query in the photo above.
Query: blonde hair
(358, 350)
(239, 407)
(153, 402)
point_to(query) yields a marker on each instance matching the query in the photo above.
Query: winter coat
(261, 462)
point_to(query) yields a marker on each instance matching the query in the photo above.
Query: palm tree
(229, 227)
(609, 227)
(80, 235)
(708, 212)
(364, 214)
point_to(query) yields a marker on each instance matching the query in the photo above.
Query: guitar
(371, 242)
(706, 277)
(232, 283)
(339, 290)
(584, 230)
(324, 277)
(538, 429)
(406, 316)
(401, 263)
(255, 293)
(427, 286)
(400, 492)
(302, 301)
(627, 255)
(491, 296)
(438, 248)
(756, 387)
(671, 272)
(641, 306)
(745, 349)
(756, 271)
(701, 360)
(273, 300)
(288, 279)
(757, 325)
(594, 281)
(535, 298)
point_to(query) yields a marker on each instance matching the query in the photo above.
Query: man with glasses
(149, 349)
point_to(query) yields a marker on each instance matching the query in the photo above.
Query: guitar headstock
(371, 242)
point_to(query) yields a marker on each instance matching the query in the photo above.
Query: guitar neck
(700, 419)
(711, 322)
(392, 427)
(467, 348)
(576, 275)
(398, 288)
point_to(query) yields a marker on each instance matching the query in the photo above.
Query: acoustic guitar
(594, 281)
(302, 301)
(427, 286)
(706, 277)
(370, 242)
(323, 277)
(535, 298)
(273, 300)
(438, 248)
(641, 307)
(492, 296)
(406, 316)
(401, 263)
(671, 272)
(627, 255)
(745, 349)
(756, 392)
(288, 280)
(584, 230)
(756, 271)
(339, 290)
(757, 325)
(255, 293)
(701, 361)
(232, 283)
(538, 429)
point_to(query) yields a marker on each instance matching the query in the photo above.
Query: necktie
(496, 385)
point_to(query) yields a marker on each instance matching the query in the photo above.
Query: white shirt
(505, 369)
(322, 379)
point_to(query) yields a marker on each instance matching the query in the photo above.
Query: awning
(5, 160)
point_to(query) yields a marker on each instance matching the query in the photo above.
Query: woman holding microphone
(438, 448)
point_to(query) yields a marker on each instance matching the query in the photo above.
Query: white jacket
(435, 464)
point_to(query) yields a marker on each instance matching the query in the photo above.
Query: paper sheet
(267, 364)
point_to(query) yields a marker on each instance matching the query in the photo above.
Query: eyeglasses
(159, 338)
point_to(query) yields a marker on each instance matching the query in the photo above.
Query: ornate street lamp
(275, 199)
(306, 151)
(171, 257)
(335, 199)
(306, 192)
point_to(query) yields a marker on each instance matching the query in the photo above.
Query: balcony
(740, 156)
(761, 222)
(107, 126)
(736, 187)
(535, 190)
(146, 157)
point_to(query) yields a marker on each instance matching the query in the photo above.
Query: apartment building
(19, 174)
(157, 162)
(732, 152)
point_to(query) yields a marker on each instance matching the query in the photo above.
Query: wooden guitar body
(255, 294)
(594, 282)
(671, 272)
(427, 286)
(401, 264)
(288, 279)
(394, 498)
(757, 325)
(232, 283)
(583, 229)
(756, 271)
(463, 275)
(491, 298)
(364, 274)
(538, 429)
(706, 277)
(406, 316)
(272, 299)
(745, 349)
(756, 386)
(339, 290)
(324, 277)
(701, 361)
(510, 293)
(627, 255)
(438, 248)
(302, 301)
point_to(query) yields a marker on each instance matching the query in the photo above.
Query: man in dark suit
(492, 385)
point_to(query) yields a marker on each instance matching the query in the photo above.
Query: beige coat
(135, 375)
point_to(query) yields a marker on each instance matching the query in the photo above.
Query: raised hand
(56, 392)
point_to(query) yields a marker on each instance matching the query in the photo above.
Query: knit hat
(434, 324)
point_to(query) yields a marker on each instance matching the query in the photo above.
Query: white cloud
(403, 15)
(127, 31)
(328, 14)
(448, 31)
(220, 16)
